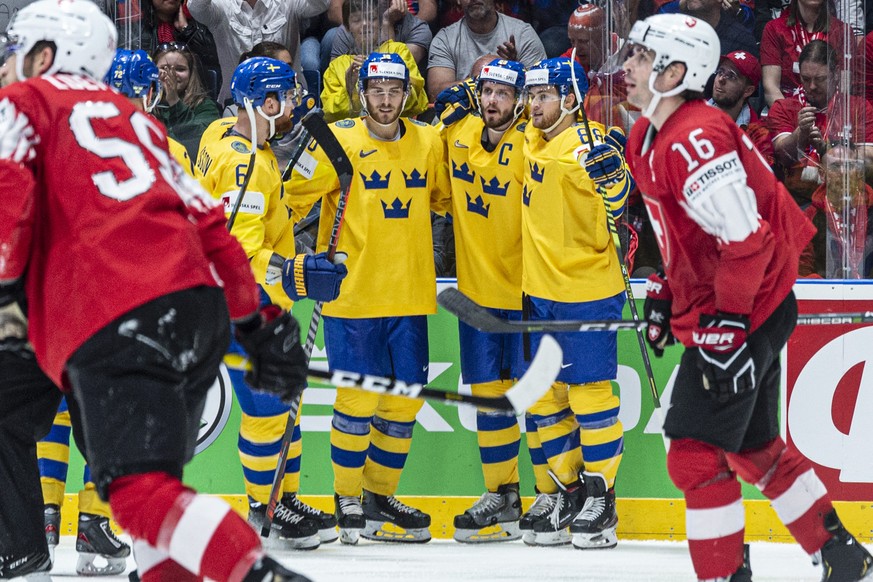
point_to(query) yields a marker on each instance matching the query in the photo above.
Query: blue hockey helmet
(504, 72)
(133, 74)
(383, 66)
(568, 76)
(257, 77)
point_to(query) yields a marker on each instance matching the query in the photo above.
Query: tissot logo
(215, 412)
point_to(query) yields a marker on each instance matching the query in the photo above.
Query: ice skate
(288, 530)
(269, 570)
(349, 517)
(542, 506)
(52, 520)
(494, 518)
(325, 522)
(594, 527)
(842, 557)
(33, 567)
(389, 520)
(553, 529)
(101, 553)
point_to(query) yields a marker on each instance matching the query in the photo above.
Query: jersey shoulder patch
(521, 126)
(345, 123)
(240, 147)
(417, 122)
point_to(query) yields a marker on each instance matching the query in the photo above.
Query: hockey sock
(498, 436)
(602, 434)
(559, 433)
(201, 533)
(544, 483)
(153, 565)
(788, 480)
(714, 514)
(260, 440)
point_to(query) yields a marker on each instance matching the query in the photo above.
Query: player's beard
(497, 120)
(547, 119)
(384, 117)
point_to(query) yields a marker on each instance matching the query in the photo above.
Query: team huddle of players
(533, 187)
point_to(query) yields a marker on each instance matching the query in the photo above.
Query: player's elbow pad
(729, 213)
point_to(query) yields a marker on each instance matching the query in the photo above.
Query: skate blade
(99, 565)
(349, 537)
(529, 538)
(552, 538)
(603, 540)
(383, 531)
(500, 532)
(37, 577)
(328, 535)
(276, 542)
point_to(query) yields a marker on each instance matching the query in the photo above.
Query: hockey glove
(604, 165)
(271, 338)
(616, 138)
(657, 311)
(725, 358)
(458, 100)
(314, 276)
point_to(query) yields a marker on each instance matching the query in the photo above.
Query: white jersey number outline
(142, 175)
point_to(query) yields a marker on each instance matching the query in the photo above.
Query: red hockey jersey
(699, 153)
(99, 217)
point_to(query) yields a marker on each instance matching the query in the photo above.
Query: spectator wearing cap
(736, 80)
(482, 30)
(238, 25)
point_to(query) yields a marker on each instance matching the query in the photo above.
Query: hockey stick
(616, 241)
(480, 318)
(835, 318)
(237, 204)
(320, 131)
(530, 387)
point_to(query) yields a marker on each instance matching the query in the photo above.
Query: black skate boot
(552, 530)
(325, 522)
(594, 527)
(389, 520)
(33, 567)
(349, 518)
(97, 540)
(52, 521)
(494, 518)
(269, 570)
(744, 574)
(542, 506)
(289, 529)
(842, 557)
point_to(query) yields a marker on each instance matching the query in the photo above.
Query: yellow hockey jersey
(179, 152)
(386, 230)
(486, 211)
(335, 98)
(568, 253)
(263, 225)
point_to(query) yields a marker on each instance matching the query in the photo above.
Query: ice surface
(448, 561)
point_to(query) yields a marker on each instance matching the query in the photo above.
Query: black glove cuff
(249, 324)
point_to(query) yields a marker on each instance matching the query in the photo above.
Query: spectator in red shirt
(803, 126)
(784, 37)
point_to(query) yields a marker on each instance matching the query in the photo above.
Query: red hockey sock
(202, 534)
(153, 565)
(788, 480)
(714, 514)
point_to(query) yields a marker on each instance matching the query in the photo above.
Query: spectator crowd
(794, 75)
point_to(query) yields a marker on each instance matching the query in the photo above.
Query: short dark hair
(265, 48)
(350, 6)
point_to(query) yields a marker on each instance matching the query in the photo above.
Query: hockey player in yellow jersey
(378, 324)
(485, 150)
(571, 271)
(265, 91)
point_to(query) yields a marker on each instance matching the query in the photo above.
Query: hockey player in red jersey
(730, 238)
(131, 280)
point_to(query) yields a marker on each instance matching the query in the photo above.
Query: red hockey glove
(271, 338)
(725, 358)
(657, 311)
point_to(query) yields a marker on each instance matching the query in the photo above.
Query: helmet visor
(9, 45)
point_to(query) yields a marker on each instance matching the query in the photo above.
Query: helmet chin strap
(271, 119)
(658, 95)
(576, 93)
(247, 103)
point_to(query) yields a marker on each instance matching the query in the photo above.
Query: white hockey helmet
(678, 38)
(85, 37)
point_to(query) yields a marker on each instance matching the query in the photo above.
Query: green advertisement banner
(444, 460)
